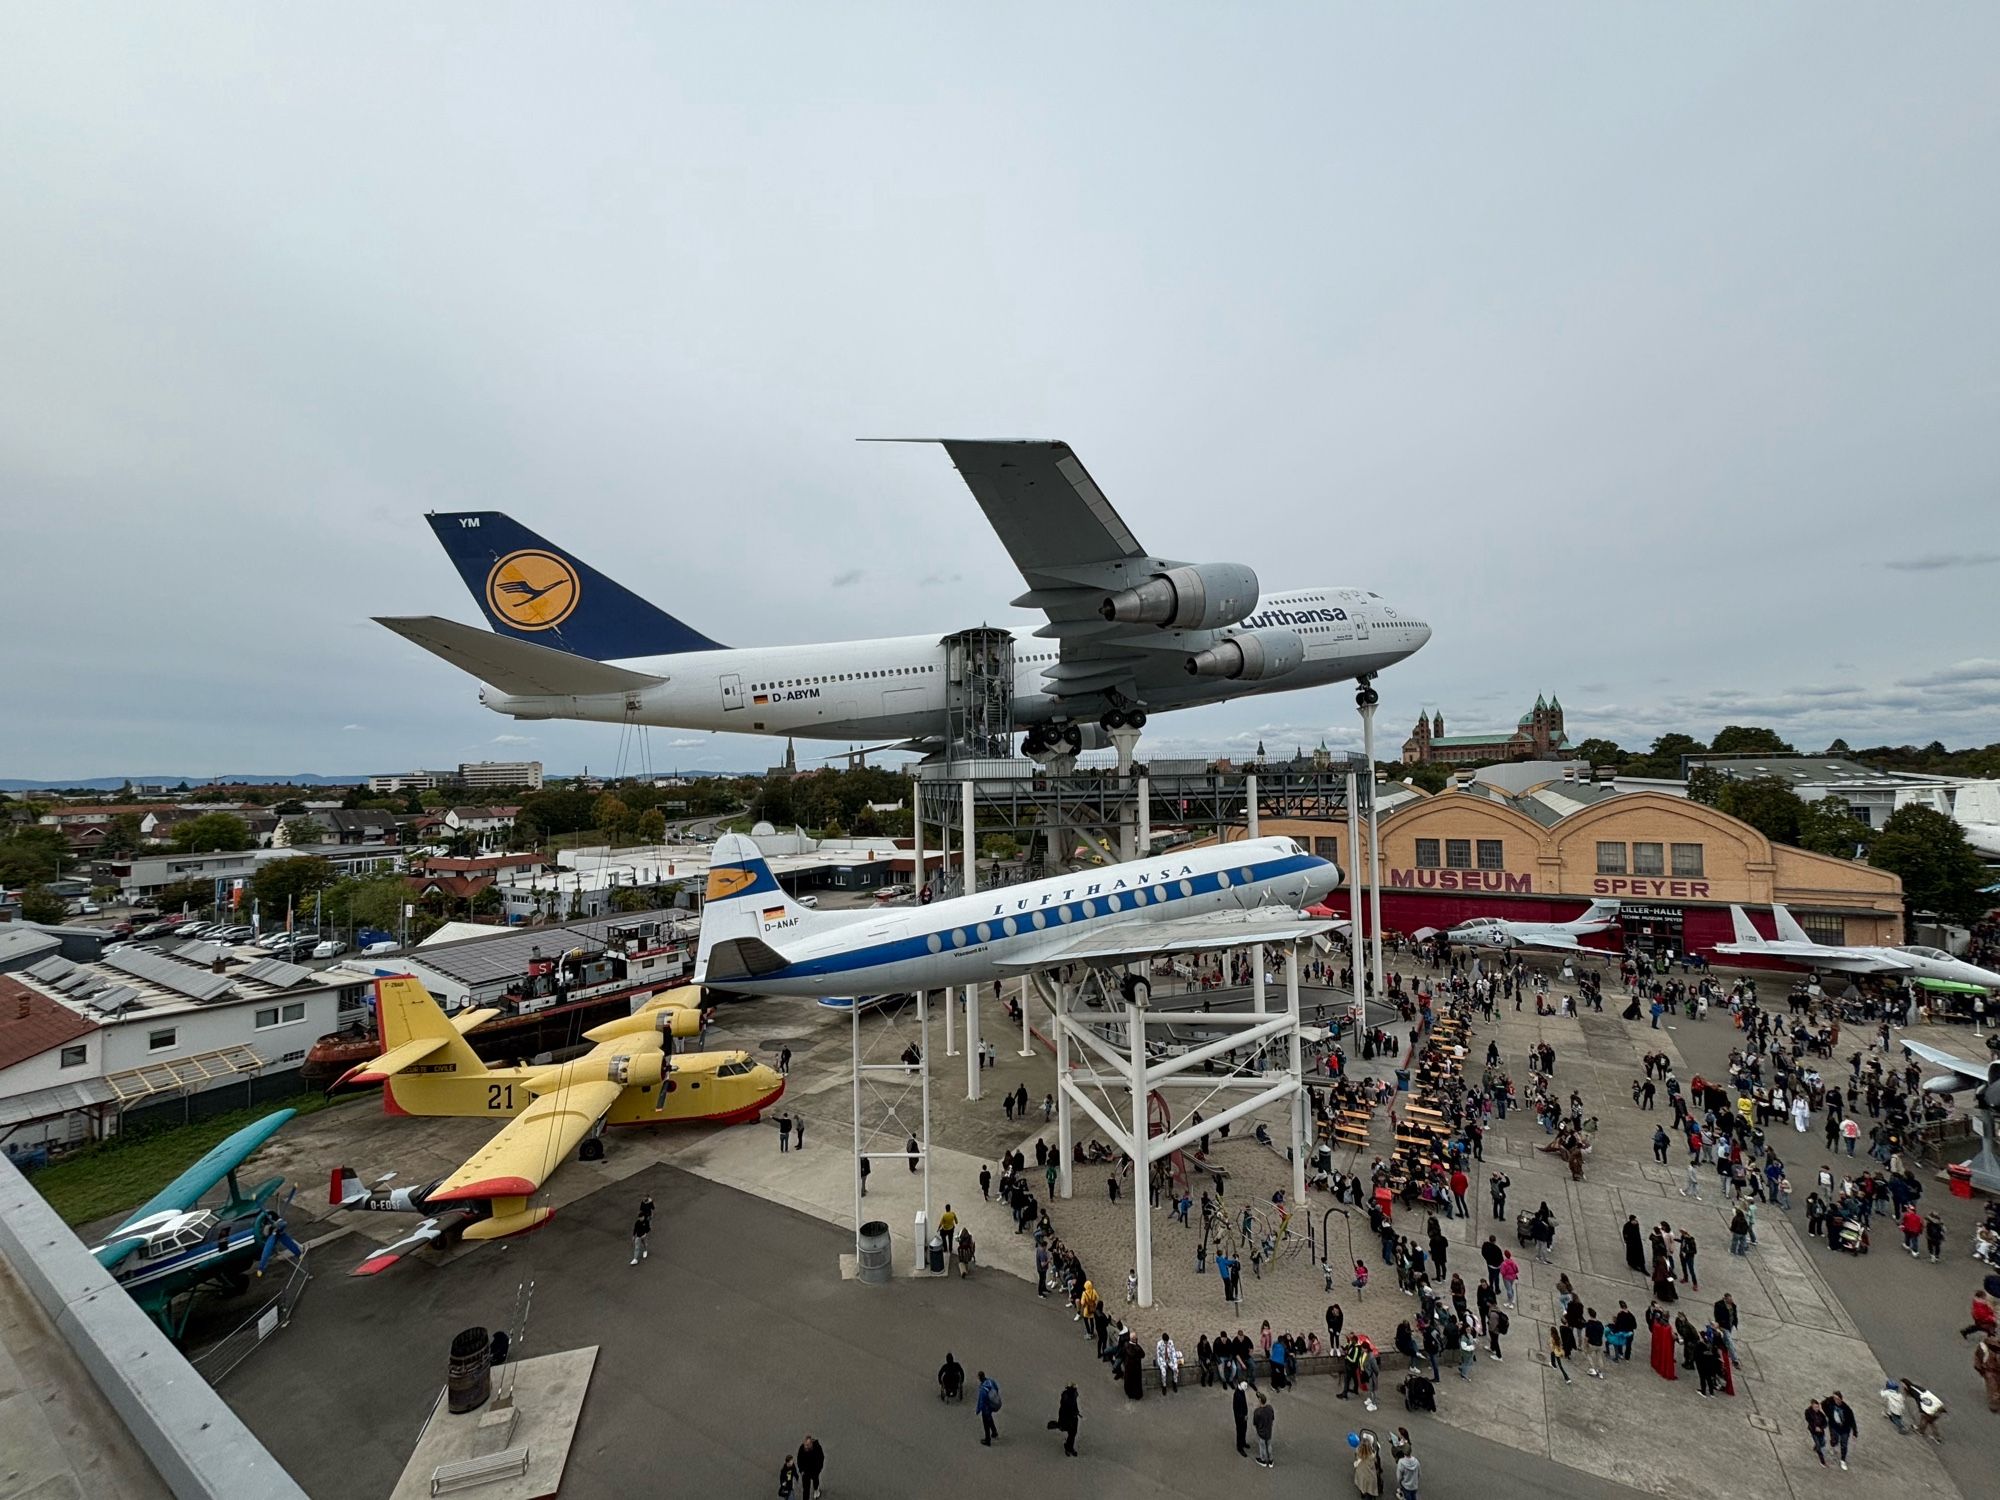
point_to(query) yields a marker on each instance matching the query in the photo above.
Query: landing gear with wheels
(1365, 696)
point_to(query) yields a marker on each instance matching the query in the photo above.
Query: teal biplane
(171, 1252)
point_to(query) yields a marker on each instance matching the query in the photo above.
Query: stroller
(1850, 1235)
(1419, 1394)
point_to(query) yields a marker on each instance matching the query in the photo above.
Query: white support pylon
(1250, 828)
(1374, 846)
(970, 856)
(1297, 1068)
(1026, 1049)
(1133, 1068)
(1357, 941)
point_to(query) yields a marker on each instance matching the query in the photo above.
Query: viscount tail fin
(745, 914)
(533, 590)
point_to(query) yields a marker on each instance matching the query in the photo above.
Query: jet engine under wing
(531, 1145)
(1142, 936)
(516, 667)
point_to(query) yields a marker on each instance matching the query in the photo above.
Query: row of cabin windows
(792, 682)
(1683, 861)
(1460, 854)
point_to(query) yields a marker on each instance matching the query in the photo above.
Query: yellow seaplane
(628, 1078)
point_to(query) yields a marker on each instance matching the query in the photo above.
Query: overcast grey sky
(1648, 352)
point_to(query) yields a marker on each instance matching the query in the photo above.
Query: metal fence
(215, 1362)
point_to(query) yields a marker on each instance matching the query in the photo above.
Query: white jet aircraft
(756, 940)
(1127, 633)
(1793, 946)
(1557, 937)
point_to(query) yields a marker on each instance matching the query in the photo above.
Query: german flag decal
(774, 914)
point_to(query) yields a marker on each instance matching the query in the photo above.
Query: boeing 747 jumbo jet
(1792, 946)
(1127, 633)
(1557, 937)
(755, 940)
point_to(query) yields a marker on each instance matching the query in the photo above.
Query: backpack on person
(993, 1401)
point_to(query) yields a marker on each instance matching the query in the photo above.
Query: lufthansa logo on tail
(532, 589)
(726, 882)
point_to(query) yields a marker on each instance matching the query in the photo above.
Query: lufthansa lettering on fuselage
(1096, 887)
(1295, 617)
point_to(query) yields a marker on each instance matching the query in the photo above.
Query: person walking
(784, 1133)
(1167, 1359)
(1593, 1344)
(1510, 1274)
(1816, 1429)
(1840, 1424)
(1239, 1407)
(1068, 1419)
(1492, 1254)
(1409, 1474)
(798, 1132)
(642, 1228)
(987, 1405)
(1556, 1353)
(812, 1463)
(1263, 1420)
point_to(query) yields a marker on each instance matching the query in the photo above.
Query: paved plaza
(1811, 1321)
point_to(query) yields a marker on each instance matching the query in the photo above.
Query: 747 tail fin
(533, 590)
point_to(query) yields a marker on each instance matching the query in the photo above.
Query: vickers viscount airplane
(755, 940)
(1127, 633)
(1794, 947)
(1557, 937)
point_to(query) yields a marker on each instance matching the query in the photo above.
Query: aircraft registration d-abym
(756, 940)
(628, 1078)
(170, 1251)
(1127, 634)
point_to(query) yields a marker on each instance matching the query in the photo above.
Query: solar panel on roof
(196, 984)
(51, 969)
(277, 973)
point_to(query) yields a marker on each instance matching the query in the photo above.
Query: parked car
(232, 935)
(329, 948)
(387, 946)
(895, 892)
(808, 902)
(297, 949)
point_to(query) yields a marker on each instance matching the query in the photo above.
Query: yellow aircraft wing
(465, 1020)
(394, 1060)
(516, 1162)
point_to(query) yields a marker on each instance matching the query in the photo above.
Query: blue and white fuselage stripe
(961, 940)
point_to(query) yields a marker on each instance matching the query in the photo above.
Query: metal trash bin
(469, 1377)
(1402, 1080)
(1960, 1174)
(873, 1257)
(936, 1255)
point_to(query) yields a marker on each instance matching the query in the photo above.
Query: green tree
(126, 834)
(31, 855)
(300, 833)
(1601, 752)
(611, 817)
(630, 898)
(1941, 872)
(365, 901)
(40, 904)
(294, 880)
(1764, 802)
(1430, 778)
(1748, 739)
(291, 807)
(1664, 759)
(185, 895)
(652, 826)
(1838, 747)
(1827, 825)
(211, 831)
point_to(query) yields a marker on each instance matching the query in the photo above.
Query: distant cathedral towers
(1537, 735)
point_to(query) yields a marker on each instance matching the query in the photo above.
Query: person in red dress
(1664, 1363)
